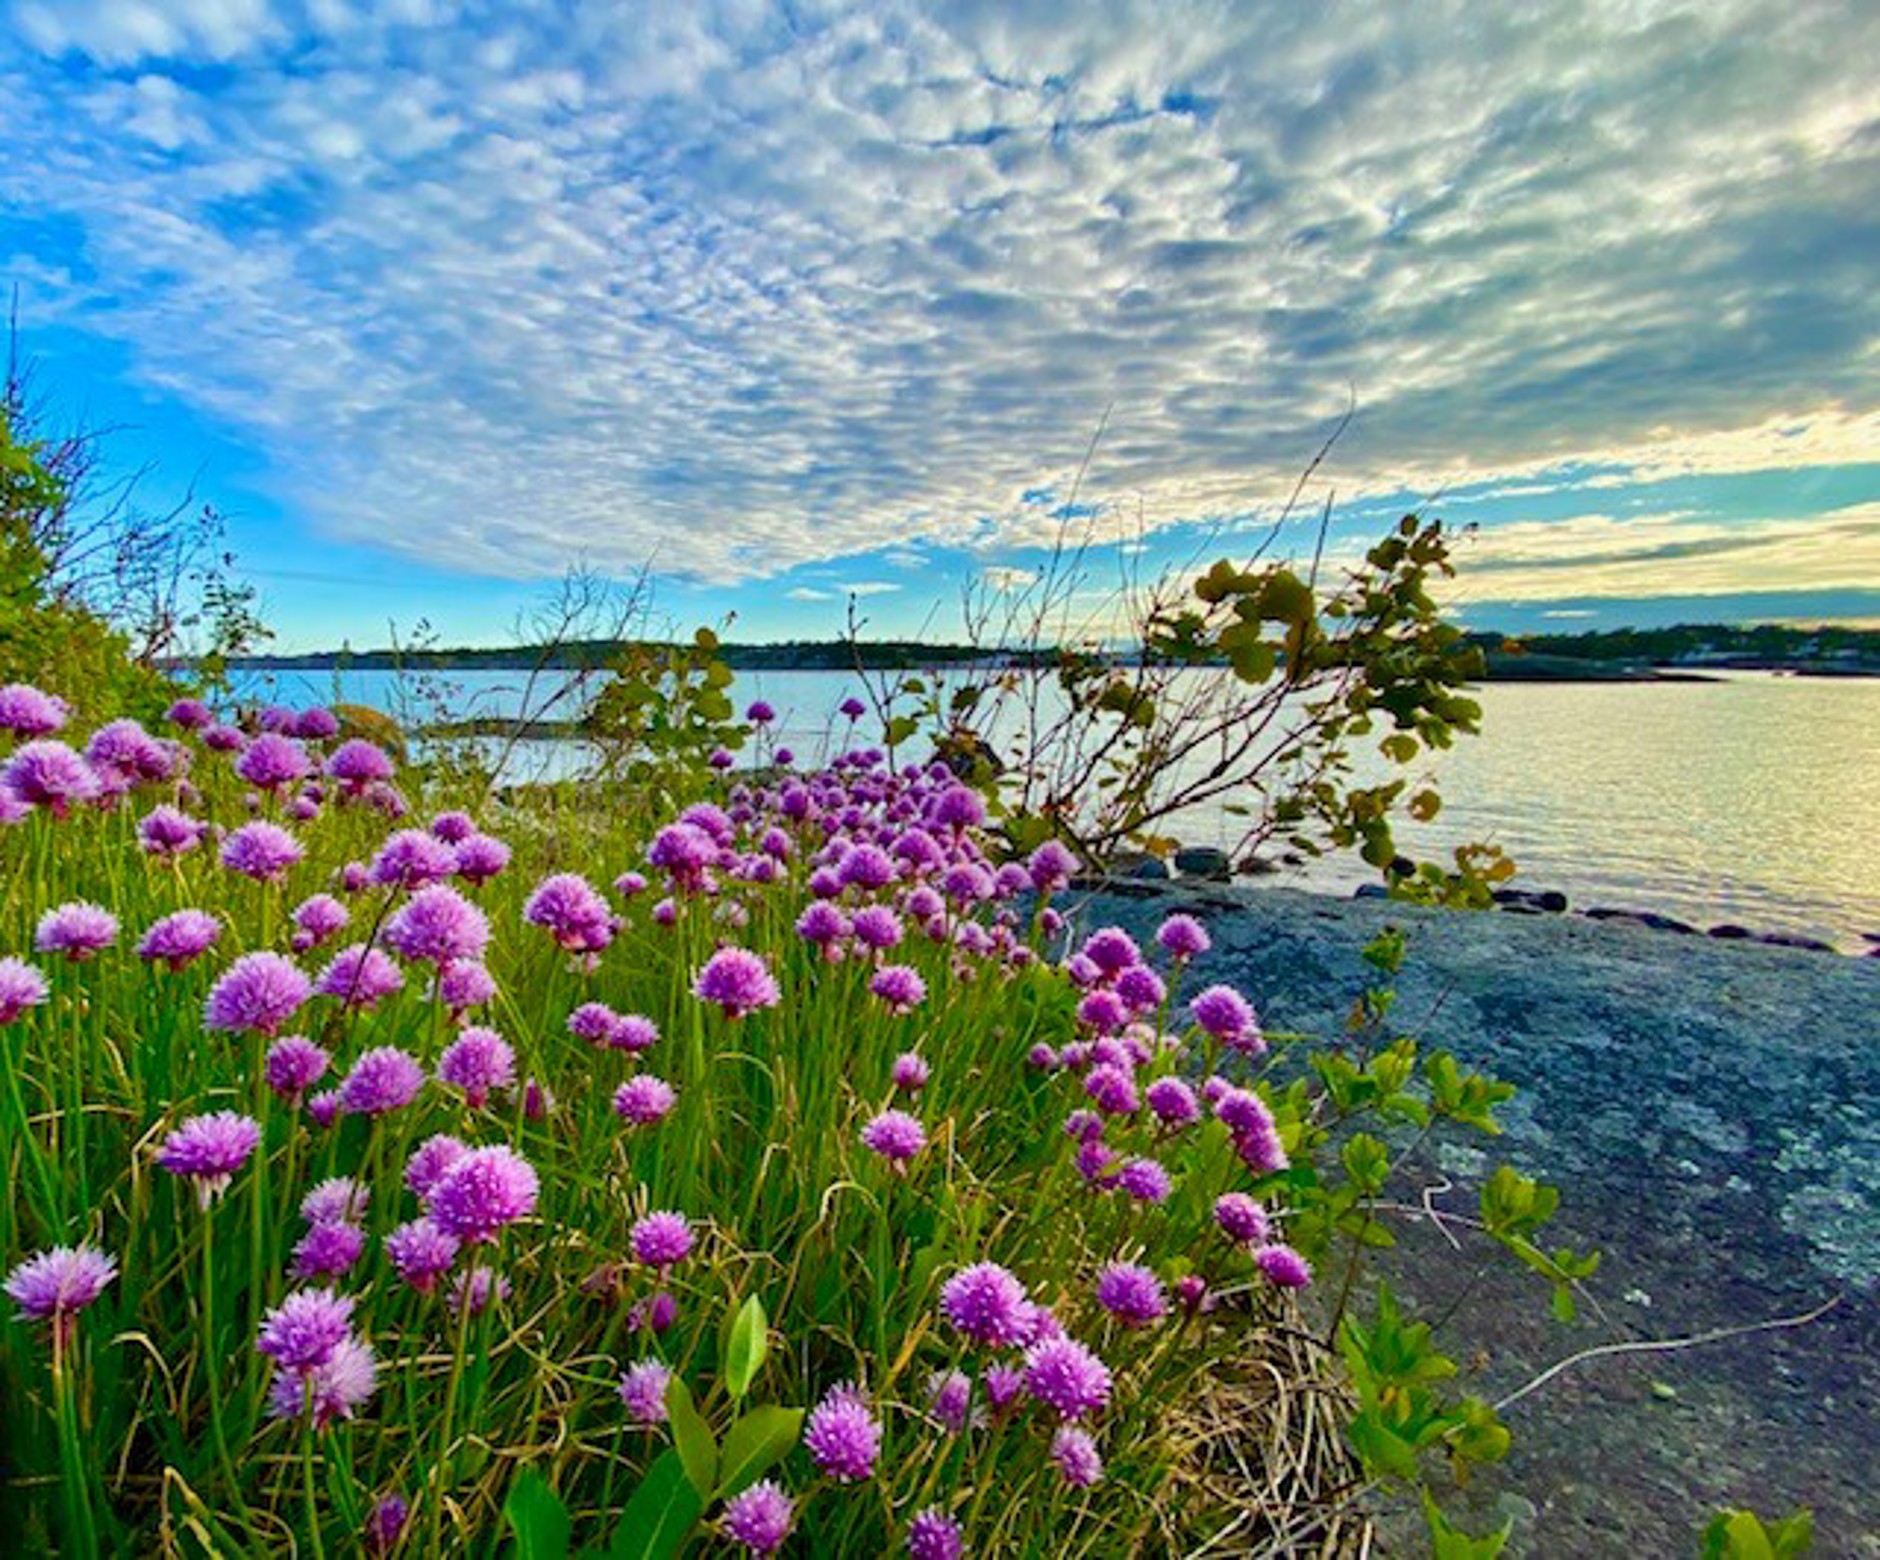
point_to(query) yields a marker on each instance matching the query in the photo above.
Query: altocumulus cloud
(490, 285)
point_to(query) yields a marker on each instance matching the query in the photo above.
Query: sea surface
(1752, 799)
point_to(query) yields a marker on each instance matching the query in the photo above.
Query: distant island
(1683, 652)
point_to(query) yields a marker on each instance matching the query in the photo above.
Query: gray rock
(1791, 940)
(1139, 864)
(1729, 932)
(1370, 891)
(1256, 866)
(1203, 861)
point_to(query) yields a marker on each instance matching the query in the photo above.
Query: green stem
(450, 1406)
(74, 1486)
(313, 1508)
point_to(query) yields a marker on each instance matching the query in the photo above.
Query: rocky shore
(1710, 1108)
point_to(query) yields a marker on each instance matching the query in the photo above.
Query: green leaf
(663, 1509)
(537, 1517)
(755, 1444)
(1448, 1542)
(698, 1451)
(749, 1343)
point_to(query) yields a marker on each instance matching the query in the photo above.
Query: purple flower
(1062, 1374)
(421, 1252)
(357, 764)
(328, 1250)
(1223, 1012)
(480, 857)
(895, 1135)
(1102, 1010)
(27, 711)
(1112, 950)
(430, 1162)
(823, 923)
(272, 760)
(1004, 1386)
(1173, 1102)
(660, 1239)
(386, 1524)
(21, 987)
(179, 937)
(843, 1436)
(867, 867)
(440, 925)
(304, 1329)
(476, 1289)
(1241, 1218)
(949, 1399)
(643, 1392)
(190, 714)
(294, 1065)
(1182, 937)
(219, 738)
(258, 992)
(331, 1390)
(1283, 1266)
(316, 725)
(1077, 1457)
(1113, 1089)
(853, 707)
(900, 986)
(317, 919)
(261, 850)
(453, 827)
(656, 1313)
(738, 981)
(877, 927)
(49, 775)
(1050, 867)
(760, 713)
(359, 976)
(933, 1535)
(464, 985)
(323, 1108)
(477, 1061)
(987, 1303)
(168, 831)
(209, 1150)
(572, 912)
(643, 1100)
(957, 808)
(630, 883)
(336, 1200)
(758, 1518)
(1132, 1294)
(1141, 988)
(484, 1190)
(384, 1079)
(411, 858)
(54, 1286)
(78, 930)
(1143, 1179)
(910, 1072)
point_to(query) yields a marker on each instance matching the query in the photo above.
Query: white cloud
(871, 588)
(808, 593)
(493, 289)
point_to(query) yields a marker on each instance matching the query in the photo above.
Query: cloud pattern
(738, 289)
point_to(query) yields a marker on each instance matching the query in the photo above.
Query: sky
(804, 304)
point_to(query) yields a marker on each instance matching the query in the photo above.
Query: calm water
(1753, 799)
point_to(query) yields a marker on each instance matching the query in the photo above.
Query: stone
(1203, 861)
(1139, 864)
(1730, 932)
(1256, 866)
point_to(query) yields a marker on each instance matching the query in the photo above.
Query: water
(1753, 799)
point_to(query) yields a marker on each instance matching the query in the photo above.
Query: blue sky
(802, 302)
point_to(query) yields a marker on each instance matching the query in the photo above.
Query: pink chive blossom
(318, 919)
(385, 1524)
(323, 1108)
(483, 1191)
(758, 1518)
(208, 1150)
(1112, 950)
(328, 1251)
(933, 1535)
(1141, 989)
(54, 1286)
(27, 711)
(987, 1303)
(1224, 1013)
(876, 927)
(49, 775)
(272, 761)
(1283, 1266)
(477, 1061)
(1113, 1090)
(630, 884)
(660, 1239)
(900, 986)
(77, 929)
(259, 992)
(1132, 1294)
(168, 831)
(1051, 867)
(476, 1289)
(823, 924)
(738, 981)
(949, 1399)
(453, 827)
(464, 985)
(481, 857)
(190, 714)
(1182, 938)
(218, 737)
(843, 1436)
(572, 912)
(896, 1136)
(334, 1389)
(357, 764)
(1241, 1218)
(359, 976)
(421, 1253)
(1173, 1102)
(430, 1162)
(644, 1100)
(303, 1331)
(1103, 1011)
(411, 859)
(261, 850)
(1145, 1180)
(656, 1313)
(910, 1072)
(1064, 1375)
(21, 987)
(1076, 1456)
(336, 1200)
(316, 725)
(178, 938)
(643, 1393)
(382, 1080)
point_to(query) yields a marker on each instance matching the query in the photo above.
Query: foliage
(1742, 1535)
(663, 714)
